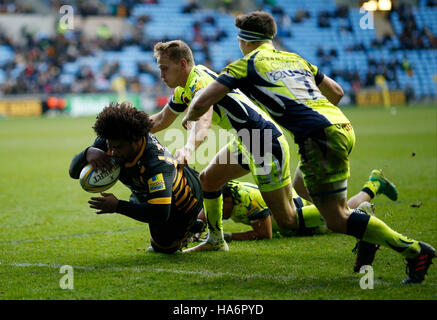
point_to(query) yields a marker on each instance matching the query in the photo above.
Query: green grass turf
(45, 222)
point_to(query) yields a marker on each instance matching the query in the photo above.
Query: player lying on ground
(300, 98)
(243, 203)
(235, 113)
(168, 198)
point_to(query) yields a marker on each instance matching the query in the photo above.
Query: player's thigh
(273, 173)
(223, 167)
(325, 160)
(169, 236)
(280, 203)
(335, 212)
(299, 185)
(163, 238)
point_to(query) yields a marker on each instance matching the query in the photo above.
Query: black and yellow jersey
(160, 187)
(285, 85)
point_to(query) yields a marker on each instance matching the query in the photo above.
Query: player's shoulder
(296, 57)
(178, 94)
(199, 78)
(155, 148)
(269, 51)
(238, 68)
(203, 70)
(156, 157)
(209, 75)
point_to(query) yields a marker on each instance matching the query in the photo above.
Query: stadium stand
(323, 32)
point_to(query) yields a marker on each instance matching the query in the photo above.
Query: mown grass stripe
(67, 236)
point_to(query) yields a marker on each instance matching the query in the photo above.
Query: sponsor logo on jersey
(156, 183)
(196, 87)
(278, 75)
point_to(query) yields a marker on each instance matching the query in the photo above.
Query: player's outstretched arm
(77, 163)
(163, 119)
(204, 98)
(156, 208)
(197, 136)
(331, 90)
(94, 154)
(262, 229)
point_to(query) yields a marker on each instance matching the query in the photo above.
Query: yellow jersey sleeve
(318, 75)
(233, 73)
(178, 102)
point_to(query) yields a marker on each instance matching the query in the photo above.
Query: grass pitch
(45, 223)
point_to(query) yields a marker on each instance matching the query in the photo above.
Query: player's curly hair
(122, 122)
(257, 21)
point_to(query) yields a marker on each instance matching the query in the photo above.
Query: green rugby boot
(385, 186)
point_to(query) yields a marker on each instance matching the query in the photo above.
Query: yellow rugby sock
(371, 188)
(213, 207)
(371, 229)
(378, 232)
(307, 216)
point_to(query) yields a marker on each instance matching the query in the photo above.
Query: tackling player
(234, 112)
(168, 198)
(303, 100)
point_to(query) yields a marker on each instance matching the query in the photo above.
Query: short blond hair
(175, 50)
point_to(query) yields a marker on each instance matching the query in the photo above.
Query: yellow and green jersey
(285, 85)
(234, 111)
(248, 203)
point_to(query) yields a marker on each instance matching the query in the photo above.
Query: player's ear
(183, 63)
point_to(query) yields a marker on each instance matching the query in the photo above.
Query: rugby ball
(98, 181)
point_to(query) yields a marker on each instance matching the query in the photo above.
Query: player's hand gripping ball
(98, 181)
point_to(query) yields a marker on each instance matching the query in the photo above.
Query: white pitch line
(146, 269)
(189, 272)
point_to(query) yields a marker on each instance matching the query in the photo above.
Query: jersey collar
(134, 162)
(266, 45)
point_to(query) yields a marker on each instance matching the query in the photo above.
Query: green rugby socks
(371, 188)
(213, 207)
(307, 216)
(374, 230)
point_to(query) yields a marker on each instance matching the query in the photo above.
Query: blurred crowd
(39, 60)
(413, 37)
(38, 63)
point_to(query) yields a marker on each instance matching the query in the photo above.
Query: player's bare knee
(288, 223)
(203, 177)
(209, 183)
(337, 224)
(334, 226)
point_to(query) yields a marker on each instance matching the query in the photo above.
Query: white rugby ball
(98, 181)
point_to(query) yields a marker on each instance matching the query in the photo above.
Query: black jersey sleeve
(79, 160)
(157, 204)
(319, 77)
